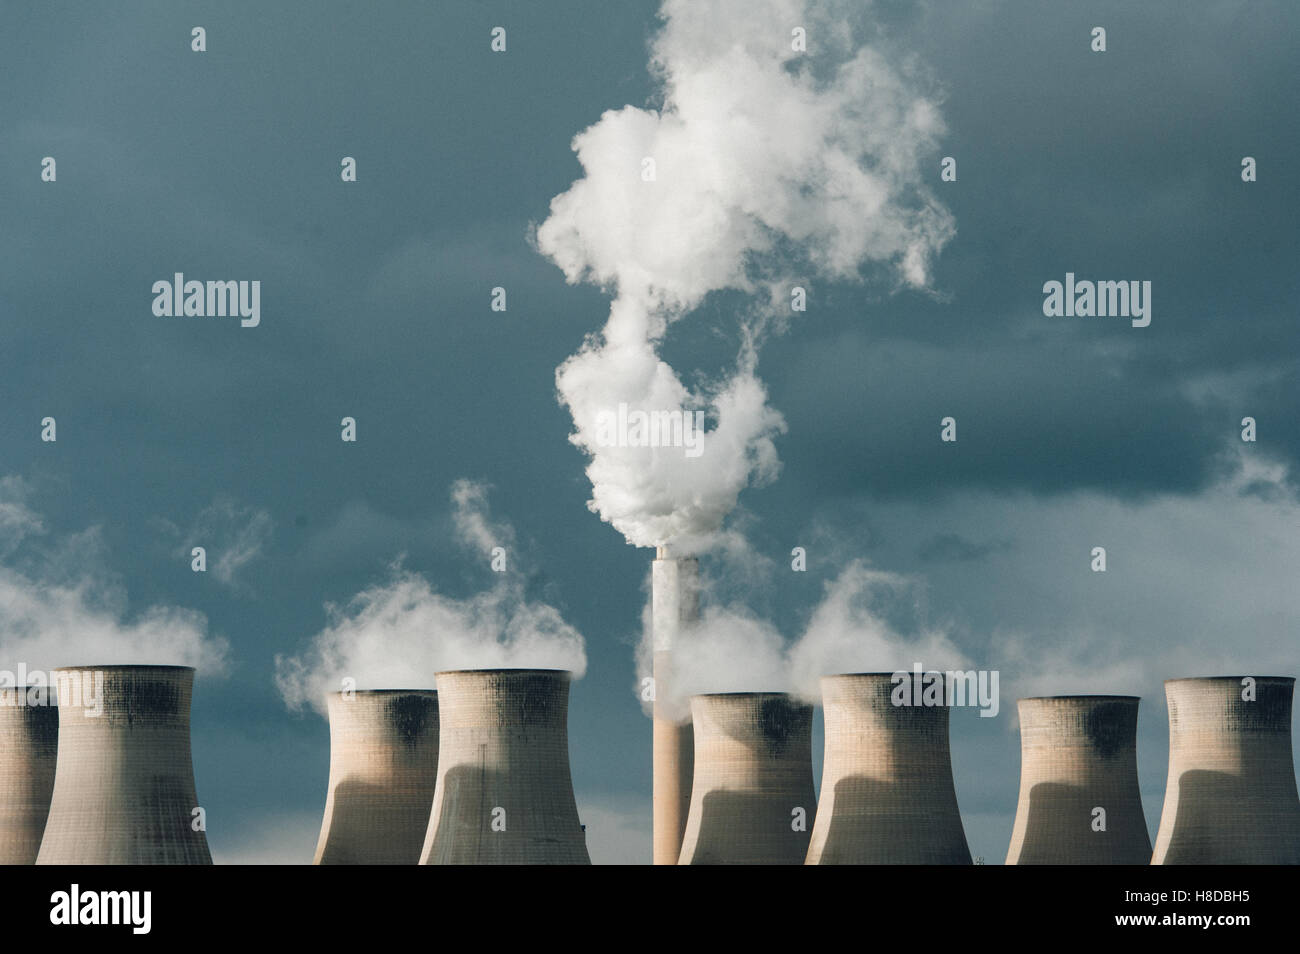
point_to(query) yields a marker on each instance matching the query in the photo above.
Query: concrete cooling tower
(887, 793)
(383, 768)
(504, 794)
(1231, 794)
(674, 607)
(29, 743)
(124, 785)
(1079, 797)
(752, 799)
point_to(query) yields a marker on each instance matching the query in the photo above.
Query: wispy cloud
(233, 535)
(399, 632)
(60, 604)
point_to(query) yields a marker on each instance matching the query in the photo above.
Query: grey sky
(375, 304)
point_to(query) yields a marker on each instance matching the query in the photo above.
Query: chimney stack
(383, 767)
(752, 799)
(1078, 754)
(29, 744)
(1231, 794)
(504, 794)
(124, 782)
(674, 607)
(887, 793)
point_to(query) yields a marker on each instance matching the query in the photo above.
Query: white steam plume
(852, 629)
(397, 634)
(60, 605)
(771, 166)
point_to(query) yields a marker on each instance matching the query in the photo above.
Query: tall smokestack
(1078, 754)
(674, 606)
(1231, 794)
(383, 768)
(504, 794)
(29, 744)
(124, 785)
(752, 799)
(887, 793)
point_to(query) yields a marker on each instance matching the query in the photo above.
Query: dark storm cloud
(954, 548)
(225, 165)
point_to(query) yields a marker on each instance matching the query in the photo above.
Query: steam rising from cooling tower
(61, 602)
(1078, 758)
(887, 794)
(383, 768)
(124, 785)
(402, 630)
(504, 794)
(866, 620)
(764, 168)
(29, 742)
(1230, 798)
(752, 799)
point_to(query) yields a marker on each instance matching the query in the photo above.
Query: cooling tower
(504, 794)
(1231, 794)
(383, 768)
(674, 606)
(29, 742)
(752, 799)
(1078, 754)
(887, 793)
(124, 785)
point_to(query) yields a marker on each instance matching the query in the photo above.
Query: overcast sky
(375, 304)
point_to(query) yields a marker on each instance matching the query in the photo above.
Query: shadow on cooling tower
(402, 827)
(124, 779)
(473, 801)
(737, 829)
(752, 795)
(383, 766)
(880, 823)
(1206, 831)
(887, 793)
(1230, 795)
(504, 794)
(1047, 841)
(1078, 754)
(29, 747)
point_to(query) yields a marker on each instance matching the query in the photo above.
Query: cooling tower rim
(141, 667)
(855, 675)
(506, 669)
(1233, 679)
(378, 692)
(1088, 696)
(749, 693)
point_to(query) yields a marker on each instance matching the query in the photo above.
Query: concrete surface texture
(29, 744)
(674, 610)
(124, 783)
(752, 798)
(887, 794)
(1080, 803)
(504, 793)
(1230, 798)
(383, 769)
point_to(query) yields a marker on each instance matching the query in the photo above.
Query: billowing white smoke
(397, 634)
(61, 606)
(850, 630)
(771, 166)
